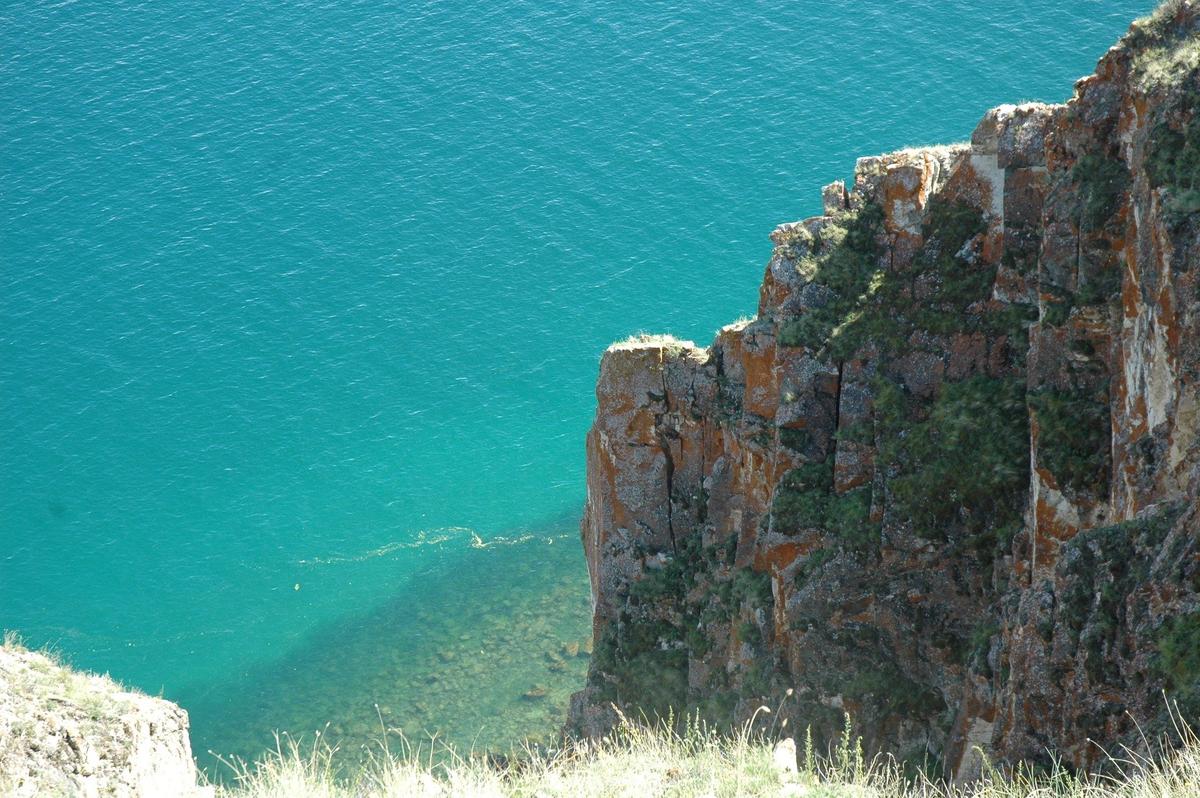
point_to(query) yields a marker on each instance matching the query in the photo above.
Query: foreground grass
(638, 761)
(641, 761)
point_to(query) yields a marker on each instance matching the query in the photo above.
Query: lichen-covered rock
(947, 480)
(65, 733)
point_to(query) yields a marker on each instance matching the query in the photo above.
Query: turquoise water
(301, 306)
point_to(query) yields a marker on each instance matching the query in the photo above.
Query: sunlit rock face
(946, 482)
(63, 732)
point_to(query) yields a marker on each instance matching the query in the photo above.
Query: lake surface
(301, 306)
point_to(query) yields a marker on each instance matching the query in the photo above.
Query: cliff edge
(65, 733)
(947, 480)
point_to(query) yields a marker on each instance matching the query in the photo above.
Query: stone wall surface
(947, 480)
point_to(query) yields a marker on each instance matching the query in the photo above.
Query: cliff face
(947, 480)
(66, 733)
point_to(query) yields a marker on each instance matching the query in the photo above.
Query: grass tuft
(673, 346)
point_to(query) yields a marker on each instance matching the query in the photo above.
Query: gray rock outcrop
(71, 734)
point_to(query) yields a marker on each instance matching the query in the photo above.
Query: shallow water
(313, 294)
(497, 670)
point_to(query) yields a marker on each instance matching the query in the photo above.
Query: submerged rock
(535, 693)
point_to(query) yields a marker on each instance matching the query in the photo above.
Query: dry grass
(641, 762)
(638, 761)
(1164, 58)
(641, 339)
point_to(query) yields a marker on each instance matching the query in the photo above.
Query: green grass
(656, 761)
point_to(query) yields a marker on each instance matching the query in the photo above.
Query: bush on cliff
(963, 466)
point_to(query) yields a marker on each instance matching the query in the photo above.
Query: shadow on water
(483, 648)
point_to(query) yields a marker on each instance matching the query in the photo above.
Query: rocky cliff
(947, 480)
(65, 733)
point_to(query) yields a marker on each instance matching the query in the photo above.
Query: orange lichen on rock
(824, 480)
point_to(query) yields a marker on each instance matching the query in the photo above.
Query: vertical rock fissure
(665, 444)
(837, 417)
(701, 496)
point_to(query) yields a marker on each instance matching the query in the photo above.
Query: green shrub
(1057, 310)
(1095, 286)
(886, 313)
(656, 585)
(1098, 286)
(1173, 160)
(1179, 661)
(870, 303)
(648, 667)
(795, 439)
(886, 689)
(752, 586)
(952, 223)
(949, 226)
(964, 465)
(749, 633)
(1102, 181)
(805, 499)
(1105, 565)
(812, 330)
(980, 645)
(1073, 437)
(845, 259)
(801, 498)
(1022, 243)
(862, 432)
